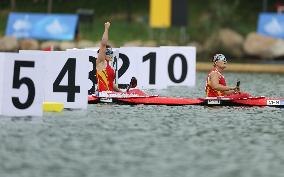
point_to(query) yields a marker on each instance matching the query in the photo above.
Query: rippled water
(152, 141)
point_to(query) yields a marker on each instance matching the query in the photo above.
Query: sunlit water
(152, 141)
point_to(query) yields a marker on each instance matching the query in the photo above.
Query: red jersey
(210, 92)
(105, 79)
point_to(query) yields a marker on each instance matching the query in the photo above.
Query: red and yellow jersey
(105, 79)
(210, 92)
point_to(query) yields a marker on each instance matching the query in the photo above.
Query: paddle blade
(238, 83)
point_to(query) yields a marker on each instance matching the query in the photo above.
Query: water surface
(153, 141)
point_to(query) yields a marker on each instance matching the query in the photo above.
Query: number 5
(17, 82)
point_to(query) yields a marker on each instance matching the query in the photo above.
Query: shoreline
(245, 67)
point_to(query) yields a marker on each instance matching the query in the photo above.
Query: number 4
(71, 88)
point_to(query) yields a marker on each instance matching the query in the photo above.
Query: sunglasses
(223, 59)
(109, 52)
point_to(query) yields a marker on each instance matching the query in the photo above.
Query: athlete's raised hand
(107, 25)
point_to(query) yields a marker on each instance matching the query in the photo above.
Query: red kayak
(93, 99)
(157, 100)
(136, 96)
(108, 96)
(249, 101)
(261, 101)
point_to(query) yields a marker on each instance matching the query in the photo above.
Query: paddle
(238, 85)
(132, 84)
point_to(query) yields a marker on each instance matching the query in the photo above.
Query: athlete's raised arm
(102, 51)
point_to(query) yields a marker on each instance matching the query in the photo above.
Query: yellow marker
(160, 13)
(52, 106)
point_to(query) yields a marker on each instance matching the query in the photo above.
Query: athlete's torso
(210, 92)
(105, 78)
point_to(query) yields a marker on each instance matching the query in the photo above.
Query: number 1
(152, 75)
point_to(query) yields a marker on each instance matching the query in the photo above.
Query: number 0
(183, 69)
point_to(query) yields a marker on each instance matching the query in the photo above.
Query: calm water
(152, 141)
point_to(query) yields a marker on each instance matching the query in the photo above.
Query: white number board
(180, 65)
(2, 58)
(142, 63)
(66, 77)
(92, 52)
(21, 84)
(157, 67)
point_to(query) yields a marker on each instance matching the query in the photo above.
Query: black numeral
(152, 57)
(92, 75)
(152, 75)
(124, 66)
(17, 82)
(183, 69)
(70, 69)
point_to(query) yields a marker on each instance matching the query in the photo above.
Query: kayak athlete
(216, 83)
(104, 72)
